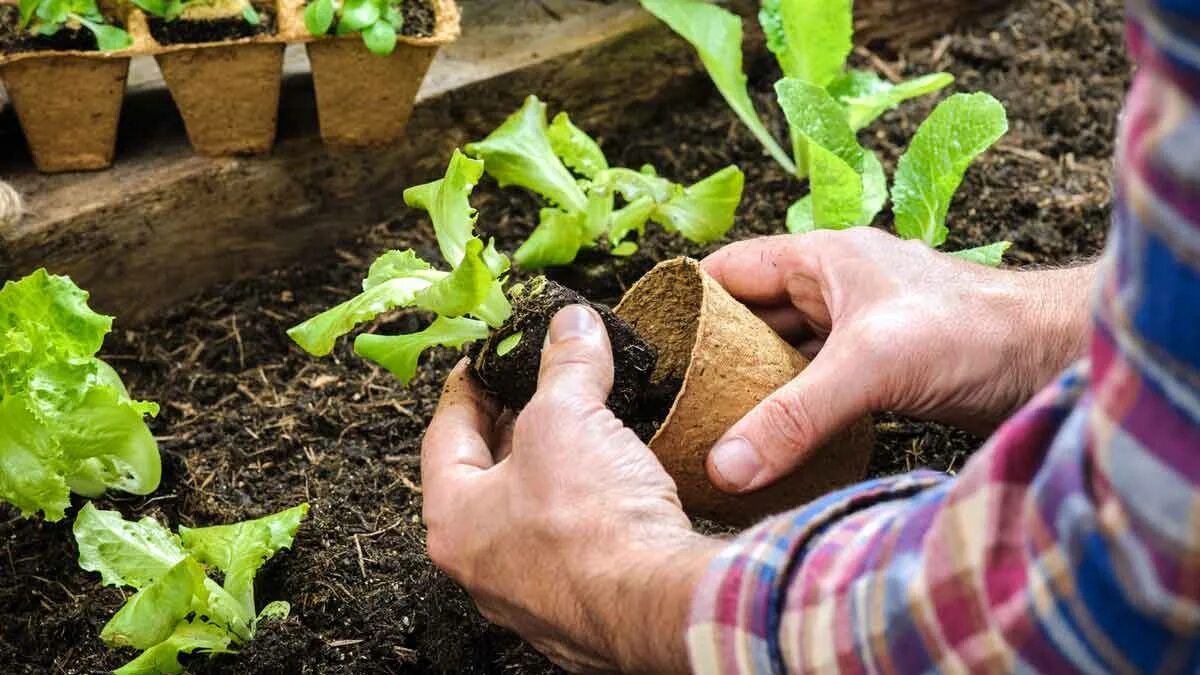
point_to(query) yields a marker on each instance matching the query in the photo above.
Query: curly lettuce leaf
(125, 553)
(33, 473)
(555, 241)
(151, 615)
(960, 129)
(716, 34)
(630, 218)
(399, 354)
(240, 549)
(446, 200)
(575, 147)
(704, 211)
(991, 254)
(462, 290)
(811, 39)
(633, 185)
(519, 153)
(189, 637)
(866, 96)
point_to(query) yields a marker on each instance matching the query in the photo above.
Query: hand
(898, 326)
(563, 526)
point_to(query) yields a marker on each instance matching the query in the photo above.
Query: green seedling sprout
(377, 21)
(47, 17)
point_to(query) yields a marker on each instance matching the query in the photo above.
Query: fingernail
(570, 322)
(736, 461)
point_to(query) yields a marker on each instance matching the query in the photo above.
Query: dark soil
(251, 425)
(186, 31)
(420, 18)
(13, 39)
(513, 377)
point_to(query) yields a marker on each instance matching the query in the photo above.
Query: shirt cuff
(734, 623)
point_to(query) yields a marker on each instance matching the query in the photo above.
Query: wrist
(639, 600)
(1055, 324)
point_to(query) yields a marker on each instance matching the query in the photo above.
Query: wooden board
(163, 224)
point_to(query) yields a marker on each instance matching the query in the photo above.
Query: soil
(420, 18)
(185, 31)
(251, 425)
(513, 377)
(13, 39)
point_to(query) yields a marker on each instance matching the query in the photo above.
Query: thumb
(577, 360)
(786, 427)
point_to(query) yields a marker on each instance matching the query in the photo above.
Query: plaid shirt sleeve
(1071, 541)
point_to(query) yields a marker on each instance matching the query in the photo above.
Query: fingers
(756, 271)
(456, 443)
(781, 431)
(577, 361)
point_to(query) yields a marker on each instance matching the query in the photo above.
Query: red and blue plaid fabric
(1071, 541)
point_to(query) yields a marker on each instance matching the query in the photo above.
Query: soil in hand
(508, 362)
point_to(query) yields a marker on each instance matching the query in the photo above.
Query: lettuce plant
(67, 424)
(826, 105)
(378, 21)
(565, 166)
(171, 10)
(468, 299)
(47, 17)
(178, 608)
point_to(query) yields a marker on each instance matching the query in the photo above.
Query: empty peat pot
(729, 360)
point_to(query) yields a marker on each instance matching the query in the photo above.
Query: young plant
(468, 300)
(67, 423)
(178, 608)
(378, 21)
(171, 10)
(47, 17)
(565, 166)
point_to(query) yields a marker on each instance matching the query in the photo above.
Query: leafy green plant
(47, 17)
(826, 105)
(378, 21)
(171, 10)
(178, 608)
(468, 300)
(566, 167)
(67, 423)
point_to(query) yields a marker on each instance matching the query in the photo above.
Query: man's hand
(563, 525)
(899, 327)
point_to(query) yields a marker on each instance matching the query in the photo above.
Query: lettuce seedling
(178, 608)
(469, 299)
(566, 167)
(47, 17)
(67, 423)
(171, 10)
(378, 21)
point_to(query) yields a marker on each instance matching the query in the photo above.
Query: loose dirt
(251, 425)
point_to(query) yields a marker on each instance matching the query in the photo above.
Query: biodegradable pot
(729, 361)
(364, 99)
(72, 125)
(228, 95)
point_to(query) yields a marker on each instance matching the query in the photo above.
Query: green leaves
(930, 171)
(991, 255)
(519, 153)
(378, 21)
(399, 354)
(717, 36)
(866, 96)
(446, 200)
(811, 39)
(704, 211)
(576, 149)
(318, 16)
(178, 608)
(66, 420)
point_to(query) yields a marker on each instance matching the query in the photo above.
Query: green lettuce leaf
(125, 553)
(633, 185)
(866, 96)
(575, 148)
(240, 549)
(462, 290)
(446, 200)
(811, 39)
(991, 255)
(930, 171)
(33, 473)
(399, 354)
(813, 112)
(631, 218)
(189, 637)
(555, 241)
(519, 153)
(716, 35)
(704, 211)
(151, 615)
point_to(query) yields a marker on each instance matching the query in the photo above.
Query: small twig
(389, 528)
(362, 568)
(237, 337)
(879, 64)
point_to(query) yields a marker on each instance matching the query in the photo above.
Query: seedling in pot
(197, 21)
(61, 24)
(826, 105)
(378, 21)
(470, 303)
(67, 424)
(590, 204)
(178, 607)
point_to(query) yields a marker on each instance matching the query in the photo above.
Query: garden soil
(251, 425)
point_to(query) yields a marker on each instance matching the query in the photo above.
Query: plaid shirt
(1071, 541)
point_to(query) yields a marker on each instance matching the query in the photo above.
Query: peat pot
(729, 360)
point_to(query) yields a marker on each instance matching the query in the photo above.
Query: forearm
(1056, 317)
